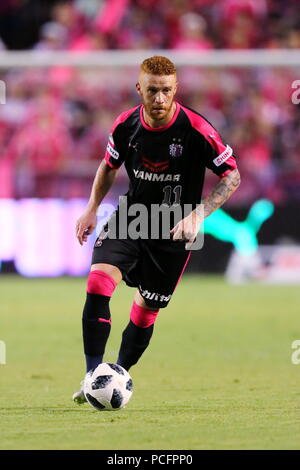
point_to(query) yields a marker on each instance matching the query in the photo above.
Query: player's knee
(100, 283)
(142, 317)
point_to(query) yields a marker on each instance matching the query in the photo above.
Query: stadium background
(56, 119)
(55, 123)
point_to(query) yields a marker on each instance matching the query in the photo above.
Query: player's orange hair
(158, 65)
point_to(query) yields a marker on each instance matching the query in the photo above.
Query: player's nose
(159, 98)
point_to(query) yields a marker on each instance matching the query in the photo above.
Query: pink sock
(142, 317)
(100, 283)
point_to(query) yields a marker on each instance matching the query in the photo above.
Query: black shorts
(153, 266)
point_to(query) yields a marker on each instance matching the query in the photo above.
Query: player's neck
(161, 122)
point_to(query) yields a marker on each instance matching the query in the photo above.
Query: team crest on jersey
(176, 150)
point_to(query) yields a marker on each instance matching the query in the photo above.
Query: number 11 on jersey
(168, 195)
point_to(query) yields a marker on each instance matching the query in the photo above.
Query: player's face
(157, 92)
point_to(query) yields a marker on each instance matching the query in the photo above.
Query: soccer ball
(109, 387)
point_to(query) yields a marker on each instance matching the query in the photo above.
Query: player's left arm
(188, 228)
(221, 192)
(220, 159)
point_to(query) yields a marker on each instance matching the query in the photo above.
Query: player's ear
(138, 88)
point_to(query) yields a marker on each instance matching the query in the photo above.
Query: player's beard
(158, 116)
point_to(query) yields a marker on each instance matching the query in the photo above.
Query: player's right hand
(85, 225)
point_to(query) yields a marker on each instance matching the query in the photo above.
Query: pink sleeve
(218, 157)
(114, 154)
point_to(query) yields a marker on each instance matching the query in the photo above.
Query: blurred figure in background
(40, 148)
(192, 33)
(53, 36)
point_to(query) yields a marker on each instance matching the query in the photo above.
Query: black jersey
(166, 167)
(167, 164)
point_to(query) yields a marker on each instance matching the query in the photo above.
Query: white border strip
(109, 58)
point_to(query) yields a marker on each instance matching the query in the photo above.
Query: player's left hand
(187, 229)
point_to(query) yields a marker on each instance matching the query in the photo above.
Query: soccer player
(165, 148)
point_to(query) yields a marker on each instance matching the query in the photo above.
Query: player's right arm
(115, 154)
(103, 181)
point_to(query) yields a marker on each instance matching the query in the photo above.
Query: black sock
(134, 342)
(96, 328)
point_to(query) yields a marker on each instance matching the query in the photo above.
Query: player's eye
(152, 90)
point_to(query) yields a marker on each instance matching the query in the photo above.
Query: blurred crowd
(149, 24)
(55, 123)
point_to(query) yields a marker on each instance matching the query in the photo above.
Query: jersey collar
(161, 128)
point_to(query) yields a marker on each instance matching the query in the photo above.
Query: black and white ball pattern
(109, 387)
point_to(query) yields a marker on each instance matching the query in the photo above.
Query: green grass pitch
(217, 375)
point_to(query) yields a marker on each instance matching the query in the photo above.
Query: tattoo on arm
(221, 192)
